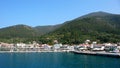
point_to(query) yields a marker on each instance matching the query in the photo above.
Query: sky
(50, 12)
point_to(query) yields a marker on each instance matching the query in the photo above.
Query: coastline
(29, 51)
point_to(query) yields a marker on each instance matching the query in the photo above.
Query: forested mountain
(24, 33)
(93, 14)
(97, 26)
(17, 33)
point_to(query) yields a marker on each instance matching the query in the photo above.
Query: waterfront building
(20, 45)
(82, 47)
(5, 47)
(111, 47)
(98, 48)
(56, 47)
(47, 47)
(71, 48)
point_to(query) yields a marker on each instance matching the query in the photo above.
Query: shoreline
(29, 51)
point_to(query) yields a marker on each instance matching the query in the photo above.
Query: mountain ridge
(104, 28)
(96, 25)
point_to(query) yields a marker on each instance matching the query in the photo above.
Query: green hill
(17, 33)
(97, 26)
(24, 33)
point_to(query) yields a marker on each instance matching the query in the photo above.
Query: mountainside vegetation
(24, 33)
(17, 33)
(46, 29)
(98, 26)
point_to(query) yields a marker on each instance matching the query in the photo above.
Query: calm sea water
(56, 60)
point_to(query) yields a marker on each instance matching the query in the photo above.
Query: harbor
(108, 49)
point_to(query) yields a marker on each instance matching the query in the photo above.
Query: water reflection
(56, 60)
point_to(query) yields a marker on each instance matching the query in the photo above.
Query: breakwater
(98, 53)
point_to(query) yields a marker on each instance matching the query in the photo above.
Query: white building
(21, 45)
(56, 47)
(98, 48)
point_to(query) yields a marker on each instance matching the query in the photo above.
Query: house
(20, 45)
(71, 48)
(56, 47)
(98, 48)
(47, 47)
(82, 47)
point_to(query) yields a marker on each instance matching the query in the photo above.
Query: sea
(56, 60)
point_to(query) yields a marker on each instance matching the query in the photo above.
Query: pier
(98, 53)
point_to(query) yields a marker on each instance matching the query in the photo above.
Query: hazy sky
(50, 12)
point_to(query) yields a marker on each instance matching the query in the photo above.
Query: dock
(98, 53)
